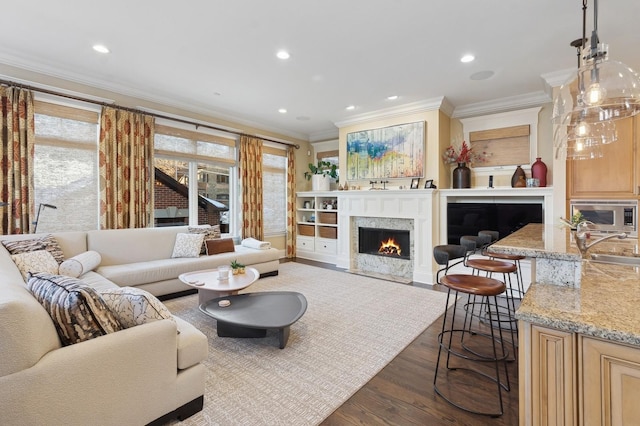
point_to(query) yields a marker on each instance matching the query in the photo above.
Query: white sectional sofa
(139, 375)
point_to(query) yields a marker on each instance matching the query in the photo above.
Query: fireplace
(394, 243)
(371, 234)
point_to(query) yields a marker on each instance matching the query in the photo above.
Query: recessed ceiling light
(350, 108)
(100, 48)
(282, 111)
(283, 54)
(467, 58)
(392, 97)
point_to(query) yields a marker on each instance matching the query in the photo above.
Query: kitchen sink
(612, 258)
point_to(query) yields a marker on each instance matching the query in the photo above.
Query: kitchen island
(579, 345)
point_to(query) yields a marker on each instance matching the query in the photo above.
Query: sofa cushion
(192, 347)
(140, 273)
(210, 233)
(97, 281)
(46, 242)
(35, 261)
(80, 264)
(78, 311)
(134, 306)
(223, 245)
(187, 245)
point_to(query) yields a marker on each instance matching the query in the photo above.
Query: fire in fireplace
(384, 242)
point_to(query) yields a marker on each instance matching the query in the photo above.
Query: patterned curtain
(18, 136)
(291, 202)
(251, 183)
(126, 164)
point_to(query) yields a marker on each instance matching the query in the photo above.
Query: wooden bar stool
(490, 267)
(489, 288)
(515, 258)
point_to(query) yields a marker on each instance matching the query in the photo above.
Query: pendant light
(601, 91)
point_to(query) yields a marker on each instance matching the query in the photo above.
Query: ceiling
(219, 57)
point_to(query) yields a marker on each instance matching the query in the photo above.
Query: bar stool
(490, 267)
(515, 258)
(444, 254)
(489, 288)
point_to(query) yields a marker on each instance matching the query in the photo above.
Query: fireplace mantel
(415, 204)
(428, 210)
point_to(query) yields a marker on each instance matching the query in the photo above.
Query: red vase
(539, 171)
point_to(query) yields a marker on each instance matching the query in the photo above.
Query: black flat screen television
(506, 218)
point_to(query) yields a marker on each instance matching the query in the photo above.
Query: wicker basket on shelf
(328, 232)
(306, 230)
(328, 217)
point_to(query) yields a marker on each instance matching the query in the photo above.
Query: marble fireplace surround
(415, 208)
(382, 265)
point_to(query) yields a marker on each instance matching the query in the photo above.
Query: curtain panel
(290, 242)
(18, 141)
(251, 184)
(125, 165)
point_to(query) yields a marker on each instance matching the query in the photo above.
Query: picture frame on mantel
(414, 183)
(428, 184)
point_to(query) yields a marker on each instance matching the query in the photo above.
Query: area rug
(353, 327)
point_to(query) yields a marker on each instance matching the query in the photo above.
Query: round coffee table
(214, 287)
(252, 314)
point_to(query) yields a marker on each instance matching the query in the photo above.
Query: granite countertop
(606, 305)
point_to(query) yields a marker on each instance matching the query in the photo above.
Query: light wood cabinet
(317, 222)
(547, 379)
(571, 379)
(610, 375)
(616, 175)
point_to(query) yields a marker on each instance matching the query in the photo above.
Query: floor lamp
(40, 207)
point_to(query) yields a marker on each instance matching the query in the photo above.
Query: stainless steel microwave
(609, 215)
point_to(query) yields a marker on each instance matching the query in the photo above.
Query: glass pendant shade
(587, 105)
(601, 90)
(583, 140)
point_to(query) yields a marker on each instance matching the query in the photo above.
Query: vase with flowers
(463, 155)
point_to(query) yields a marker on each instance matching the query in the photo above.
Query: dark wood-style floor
(402, 393)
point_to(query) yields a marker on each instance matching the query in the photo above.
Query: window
(331, 157)
(274, 184)
(66, 168)
(185, 157)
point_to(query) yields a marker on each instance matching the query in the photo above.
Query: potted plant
(237, 268)
(320, 175)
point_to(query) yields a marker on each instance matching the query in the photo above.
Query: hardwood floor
(402, 393)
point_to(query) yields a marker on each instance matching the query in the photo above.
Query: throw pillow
(210, 232)
(223, 245)
(34, 262)
(134, 306)
(80, 264)
(77, 310)
(187, 245)
(46, 242)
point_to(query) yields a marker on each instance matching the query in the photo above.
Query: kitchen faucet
(582, 234)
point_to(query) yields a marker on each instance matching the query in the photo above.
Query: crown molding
(557, 78)
(410, 108)
(324, 135)
(77, 78)
(502, 105)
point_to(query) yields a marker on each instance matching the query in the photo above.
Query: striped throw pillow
(46, 242)
(77, 310)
